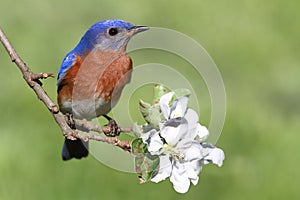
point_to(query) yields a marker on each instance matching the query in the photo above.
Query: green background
(254, 43)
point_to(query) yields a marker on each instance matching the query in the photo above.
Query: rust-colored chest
(100, 75)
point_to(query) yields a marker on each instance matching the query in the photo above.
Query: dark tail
(75, 149)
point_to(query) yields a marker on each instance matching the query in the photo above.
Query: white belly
(87, 109)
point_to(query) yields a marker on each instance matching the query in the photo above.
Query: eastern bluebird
(93, 74)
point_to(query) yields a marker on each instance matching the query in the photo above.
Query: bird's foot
(70, 120)
(113, 128)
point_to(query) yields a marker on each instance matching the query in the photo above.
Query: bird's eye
(113, 31)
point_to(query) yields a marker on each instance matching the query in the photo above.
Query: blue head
(108, 35)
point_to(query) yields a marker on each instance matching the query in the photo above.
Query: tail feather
(75, 149)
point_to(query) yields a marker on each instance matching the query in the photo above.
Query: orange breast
(101, 75)
(65, 86)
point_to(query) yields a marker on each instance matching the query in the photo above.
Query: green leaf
(159, 91)
(151, 113)
(182, 92)
(138, 146)
(146, 165)
(137, 130)
(154, 115)
(144, 108)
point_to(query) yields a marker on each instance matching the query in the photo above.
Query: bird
(92, 75)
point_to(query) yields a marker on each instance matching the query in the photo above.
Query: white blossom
(179, 144)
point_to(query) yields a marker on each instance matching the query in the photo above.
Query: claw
(114, 129)
(70, 120)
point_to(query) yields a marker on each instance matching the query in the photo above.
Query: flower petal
(179, 178)
(146, 137)
(193, 169)
(179, 107)
(172, 132)
(192, 117)
(194, 152)
(164, 171)
(164, 104)
(216, 156)
(202, 133)
(153, 141)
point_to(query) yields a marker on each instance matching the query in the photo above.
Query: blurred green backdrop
(256, 47)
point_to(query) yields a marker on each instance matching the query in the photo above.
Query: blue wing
(68, 62)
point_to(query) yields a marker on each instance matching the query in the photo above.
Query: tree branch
(33, 80)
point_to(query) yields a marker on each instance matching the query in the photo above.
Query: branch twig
(33, 80)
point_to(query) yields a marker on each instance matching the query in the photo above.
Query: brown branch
(33, 80)
(85, 125)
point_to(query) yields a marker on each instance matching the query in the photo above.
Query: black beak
(137, 29)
